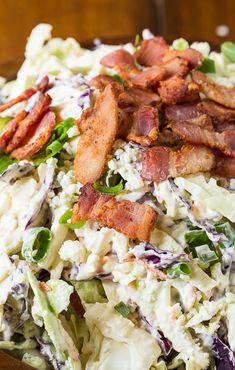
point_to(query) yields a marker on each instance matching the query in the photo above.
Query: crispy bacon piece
(195, 134)
(148, 78)
(176, 67)
(130, 218)
(156, 50)
(22, 97)
(218, 112)
(177, 90)
(160, 163)
(10, 128)
(117, 57)
(29, 121)
(99, 129)
(192, 56)
(138, 97)
(182, 112)
(221, 94)
(125, 120)
(224, 126)
(101, 81)
(37, 138)
(43, 84)
(151, 51)
(166, 137)
(145, 126)
(202, 120)
(225, 166)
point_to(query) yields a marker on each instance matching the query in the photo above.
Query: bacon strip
(99, 127)
(155, 51)
(145, 126)
(225, 166)
(133, 97)
(182, 112)
(176, 67)
(43, 84)
(218, 112)
(221, 94)
(195, 134)
(117, 57)
(151, 51)
(130, 218)
(101, 81)
(177, 90)
(22, 97)
(160, 163)
(147, 78)
(37, 138)
(30, 120)
(192, 56)
(11, 128)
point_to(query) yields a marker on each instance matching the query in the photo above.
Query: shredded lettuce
(5, 162)
(59, 294)
(209, 193)
(61, 340)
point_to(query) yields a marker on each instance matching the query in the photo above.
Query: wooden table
(110, 20)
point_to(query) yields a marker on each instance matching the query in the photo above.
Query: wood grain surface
(8, 362)
(110, 20)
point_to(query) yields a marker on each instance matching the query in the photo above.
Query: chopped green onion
(110, 190)
(205, 254)
(228, 50)
(137, 40)
(36, 243)
(62, 128)
(67, 216)
(229, 232)
(117, 78)
(53, 148)
(3, 122)
(122, 308)
(179, 269)
(180, 44)
(208, 66)
(5, 162)
(195, 238)
(55, 145)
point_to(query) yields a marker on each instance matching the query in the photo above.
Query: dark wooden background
(110, 20)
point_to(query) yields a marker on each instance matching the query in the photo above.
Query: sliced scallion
(67, 216)
(62, 128)
(53, 148)
(36, 243)
(208, 66)
(118, 78)
(109, 190)
(179, 269)
(228, 50)
(122, 308)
